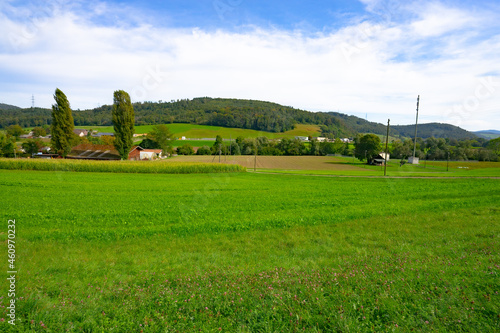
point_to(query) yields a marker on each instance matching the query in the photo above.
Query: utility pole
(255, 159)
(416, 123)
(386, 147)
(447, 160)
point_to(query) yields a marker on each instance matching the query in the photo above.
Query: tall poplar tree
(123, 123)
(62, 124)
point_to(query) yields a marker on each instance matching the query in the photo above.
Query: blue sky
(369, 58)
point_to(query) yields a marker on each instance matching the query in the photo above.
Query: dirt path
(361, 176)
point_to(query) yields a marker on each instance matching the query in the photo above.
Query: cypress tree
(62, 124)
(123, 123)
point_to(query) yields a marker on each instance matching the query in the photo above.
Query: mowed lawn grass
(251, 252)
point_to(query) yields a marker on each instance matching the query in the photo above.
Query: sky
(368, 58)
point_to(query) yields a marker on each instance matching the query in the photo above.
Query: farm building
(80, 132)
(380, 159)
(109, 153)
(150, 154)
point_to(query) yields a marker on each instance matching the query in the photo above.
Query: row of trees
(442, 149)
(264, 146)
(366, 147)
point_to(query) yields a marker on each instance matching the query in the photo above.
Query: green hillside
(266, 118)
(490, 134)
(8, 107)
(436, 130)
(193, 131)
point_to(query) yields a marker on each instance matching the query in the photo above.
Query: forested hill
(436, 130)
(236, 113)
(8, 107)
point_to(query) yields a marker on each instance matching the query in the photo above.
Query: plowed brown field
(277, 162)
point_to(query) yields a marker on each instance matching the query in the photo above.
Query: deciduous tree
(32, 146)
(62, 124)
(185, 149)
(367, 146)
(162, 136)
(38, 131)
(123, 123)
(15, 131)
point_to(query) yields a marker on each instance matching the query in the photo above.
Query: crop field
(204, 131)
(116, 166)
(250, 252)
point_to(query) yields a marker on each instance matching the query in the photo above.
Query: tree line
(265, 146)
(367, 147)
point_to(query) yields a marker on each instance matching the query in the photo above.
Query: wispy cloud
(375, 65)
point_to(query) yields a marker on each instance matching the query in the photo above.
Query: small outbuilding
(380, 159)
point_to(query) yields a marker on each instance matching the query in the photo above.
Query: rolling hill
(233, 113)
(489, 134)
(437, 130)
(8, 107)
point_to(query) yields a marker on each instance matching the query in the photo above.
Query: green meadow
(245, 252)
(204, 131)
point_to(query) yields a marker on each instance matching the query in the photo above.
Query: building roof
(88, 151)
(103, 134)
(157, 151)
(79, 130)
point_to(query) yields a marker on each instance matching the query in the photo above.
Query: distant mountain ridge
(236, 113)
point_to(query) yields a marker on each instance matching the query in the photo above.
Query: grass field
(251, 252)
(202, 131)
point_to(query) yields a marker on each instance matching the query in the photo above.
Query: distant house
(380, 159)
(302, 138)
(321, 139)
(80, 132)
(26, 136)
(150, 154)
(109, 153)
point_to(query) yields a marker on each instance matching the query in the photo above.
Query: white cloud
(372, 67)
(436, 20)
